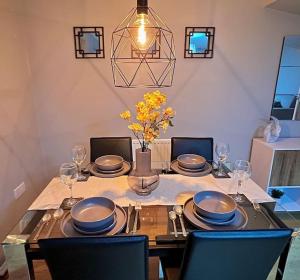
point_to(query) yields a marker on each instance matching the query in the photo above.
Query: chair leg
(153, 268)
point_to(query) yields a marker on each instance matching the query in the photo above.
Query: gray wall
(20, 149)
(49, 98)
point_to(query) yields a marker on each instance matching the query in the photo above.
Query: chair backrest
(230, 255)
(121, 146)
(187, 145)
(109, 258)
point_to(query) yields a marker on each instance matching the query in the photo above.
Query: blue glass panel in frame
(198, 42)
(89, 42)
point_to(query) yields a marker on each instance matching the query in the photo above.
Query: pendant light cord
(142, 7)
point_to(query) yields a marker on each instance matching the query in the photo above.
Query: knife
(129, 211)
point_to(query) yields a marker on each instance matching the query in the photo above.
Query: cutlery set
(177, 211)
(46, 219)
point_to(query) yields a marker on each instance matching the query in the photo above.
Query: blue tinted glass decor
(199, 42)
(89, 42)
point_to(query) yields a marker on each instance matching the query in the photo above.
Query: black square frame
(98, 31)
(210, 33)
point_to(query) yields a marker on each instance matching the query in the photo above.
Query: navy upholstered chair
(188, 145)
(89, 258)
(121, 146)
(230, 255)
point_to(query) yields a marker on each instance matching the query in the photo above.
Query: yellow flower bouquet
(150, 118)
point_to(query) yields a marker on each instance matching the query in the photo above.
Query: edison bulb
(143, 32)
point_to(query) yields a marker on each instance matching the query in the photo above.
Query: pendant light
(143, 51)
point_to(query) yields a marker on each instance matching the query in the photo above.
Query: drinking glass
(222, 150)
(241, 173)
(68, 176)
(78, 156)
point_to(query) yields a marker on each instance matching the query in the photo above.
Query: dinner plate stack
(109, 166)
(191, 162)
(191, 165)
(94, 215)
(214, 210)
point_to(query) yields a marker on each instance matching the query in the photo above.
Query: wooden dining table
(20, 247)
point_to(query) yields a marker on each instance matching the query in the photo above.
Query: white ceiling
(290, 6)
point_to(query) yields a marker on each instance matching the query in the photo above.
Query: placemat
(256, 220)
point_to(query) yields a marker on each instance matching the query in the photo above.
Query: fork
(137, 208)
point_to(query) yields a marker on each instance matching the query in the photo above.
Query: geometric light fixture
(142, 51)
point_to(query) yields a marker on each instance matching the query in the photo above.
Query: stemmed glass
(241, 173)
(222, 150)
(68, 176)
(78, 156)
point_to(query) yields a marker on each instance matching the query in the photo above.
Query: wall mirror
(199, 42)
(287, 91)
(89, 42)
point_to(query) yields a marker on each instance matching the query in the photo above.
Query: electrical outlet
(19, 190)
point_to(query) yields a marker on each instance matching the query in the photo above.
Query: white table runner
(172, 189)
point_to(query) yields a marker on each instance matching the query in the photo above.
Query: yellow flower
(169, 112)
(150, 117)
(142, 117)
(165, 125)
(154, 116)
(125, 115)
(135, 127)
(141, 107)
(150, 134)
(155, 99)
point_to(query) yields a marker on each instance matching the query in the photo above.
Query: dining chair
(121, 146)
(230, 255)
(91, 258)
(188, 145)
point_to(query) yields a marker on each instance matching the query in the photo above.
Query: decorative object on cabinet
(272, 130)
(199, 42)
(142, 51)
(276, 193)
(276, 164)
(89, 42)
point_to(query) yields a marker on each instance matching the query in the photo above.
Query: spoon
(172, 216)
(58, 213)
(46, 218)
(178, 210)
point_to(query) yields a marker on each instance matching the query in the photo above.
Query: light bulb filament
(142, 35)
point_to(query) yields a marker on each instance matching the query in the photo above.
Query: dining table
(21, 248)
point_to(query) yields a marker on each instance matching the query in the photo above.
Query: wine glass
(78, 156)
(241, 173)
(68, 176)
(222, 150)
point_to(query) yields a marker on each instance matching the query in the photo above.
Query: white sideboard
(276, 164)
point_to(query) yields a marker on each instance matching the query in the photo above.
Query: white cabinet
(276, 164)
